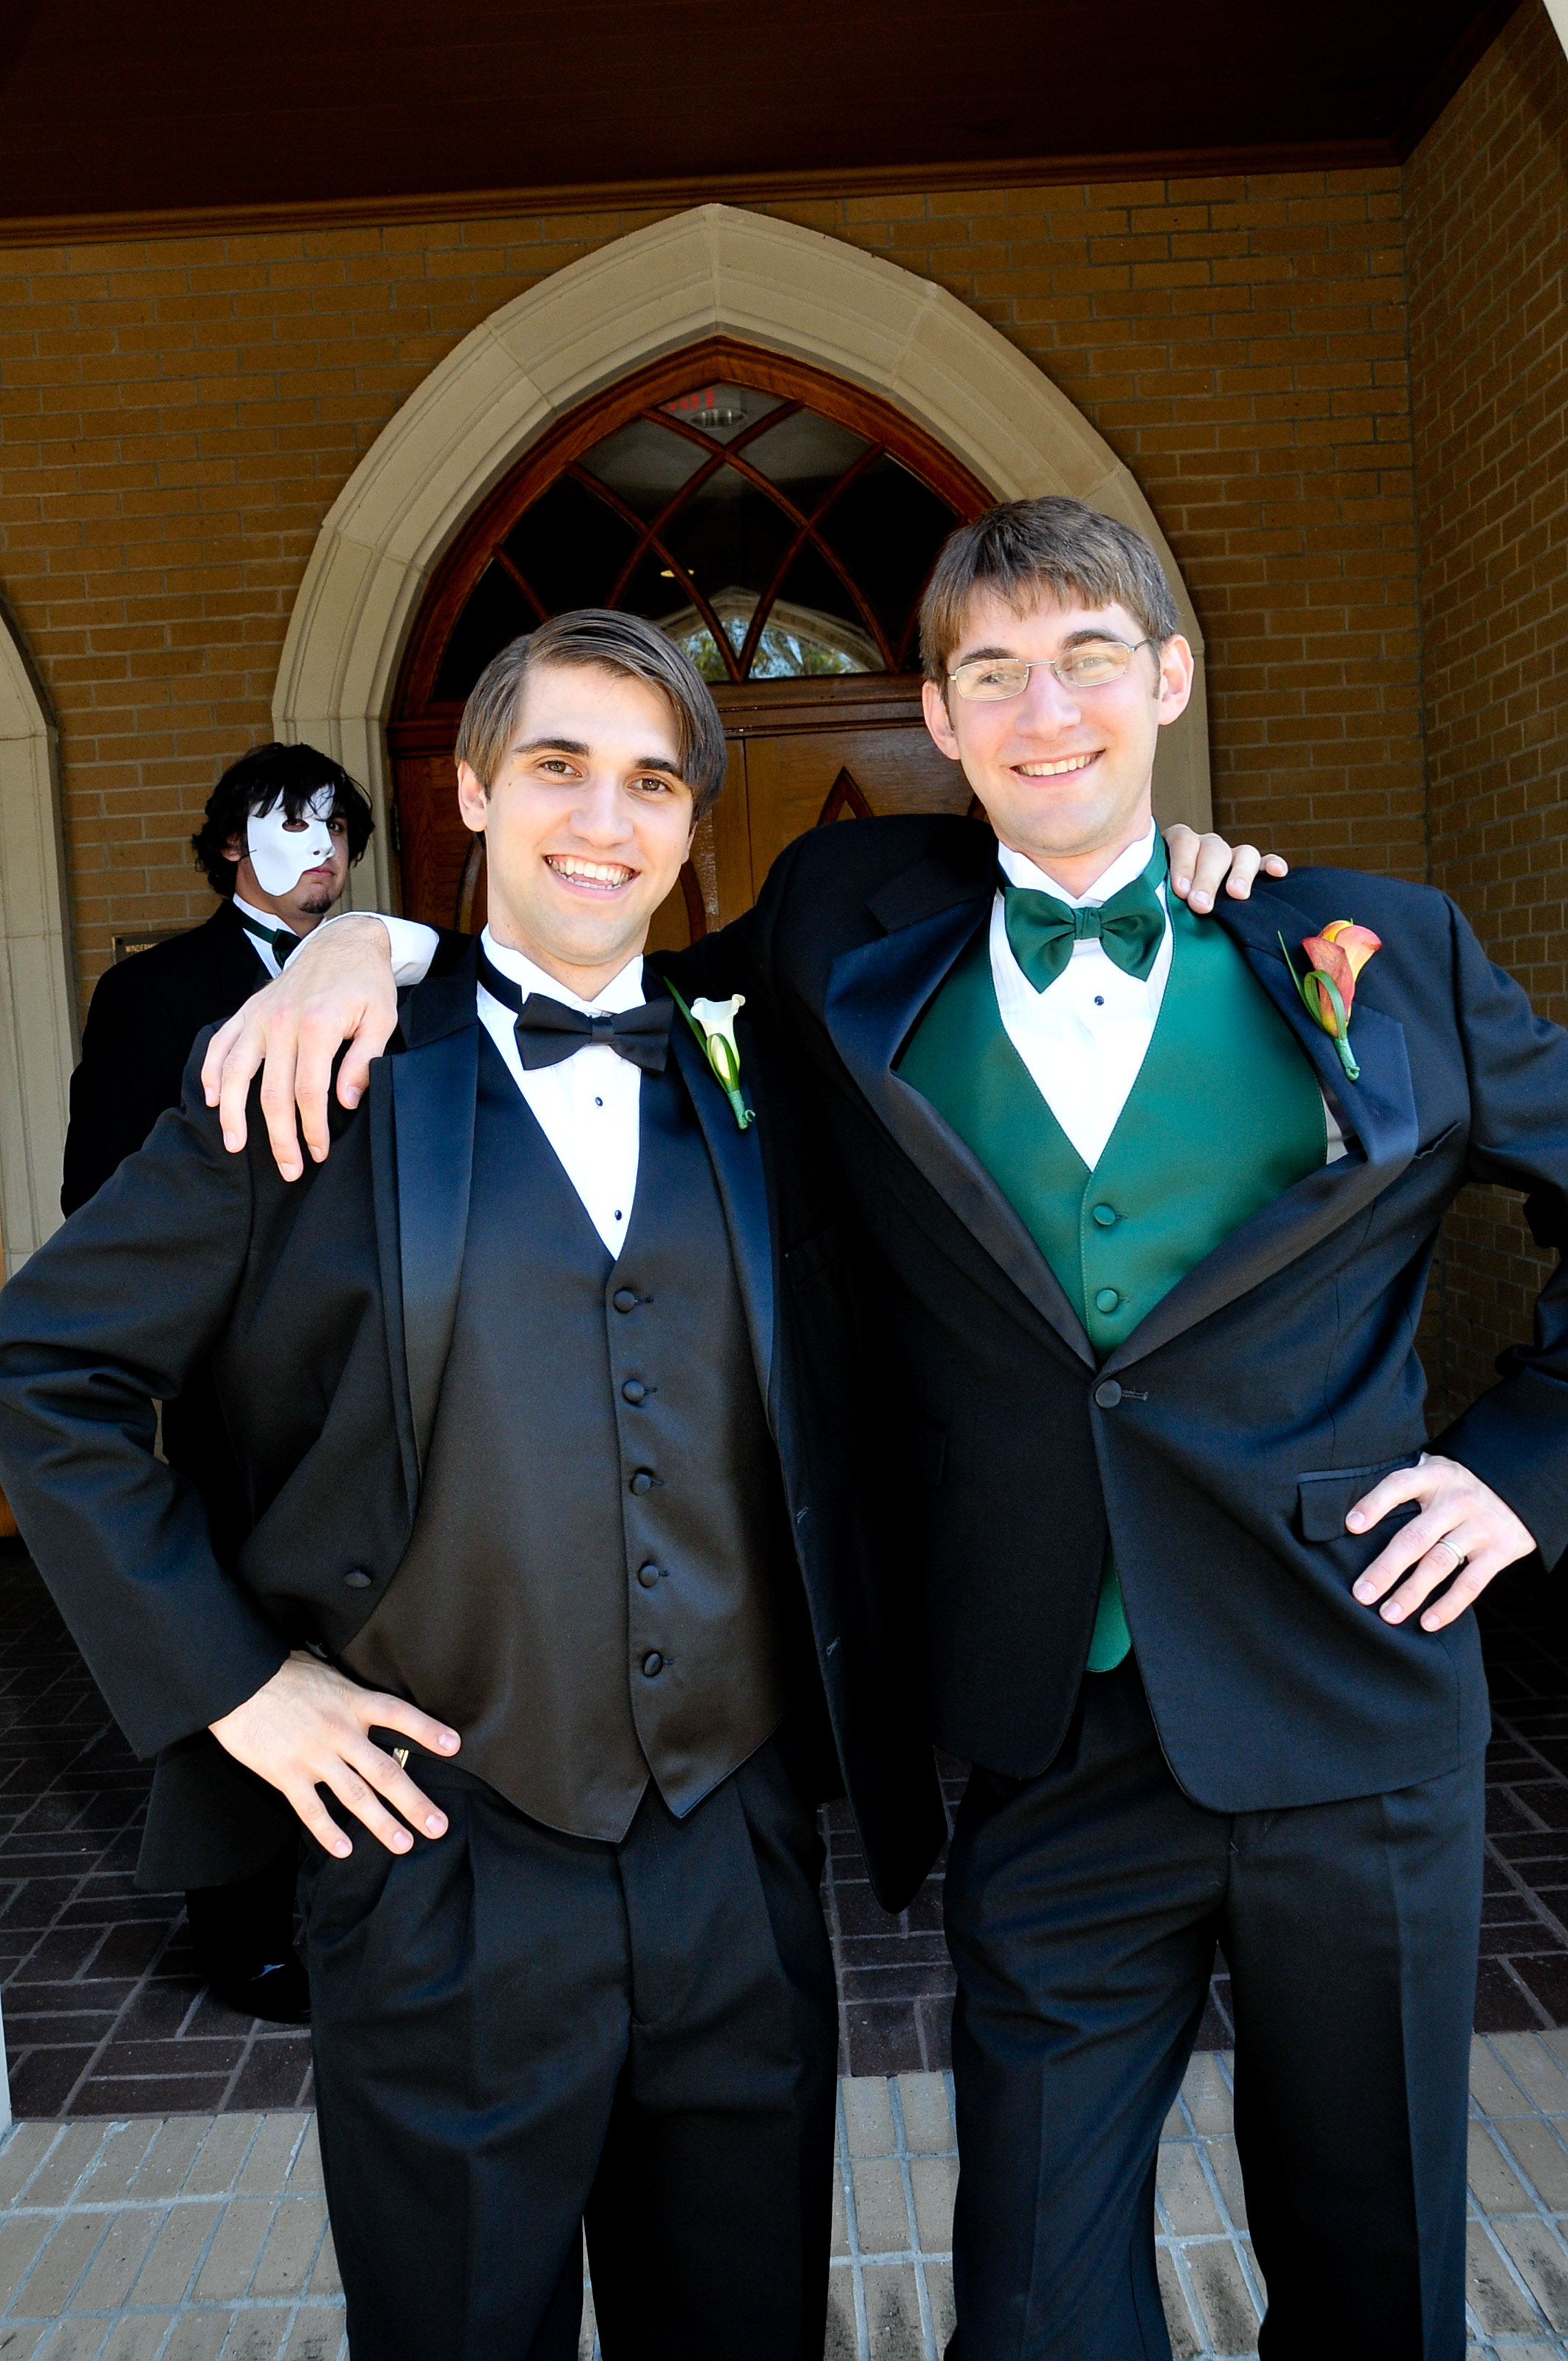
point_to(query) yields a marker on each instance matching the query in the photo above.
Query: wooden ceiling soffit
(658, 196)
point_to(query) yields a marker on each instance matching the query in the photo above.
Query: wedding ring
(401, 1753)
(1461, 1557)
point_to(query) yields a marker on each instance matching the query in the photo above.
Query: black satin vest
(590, 1591)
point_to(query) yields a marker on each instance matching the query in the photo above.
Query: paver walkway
(204, 2238)
(106, 2015)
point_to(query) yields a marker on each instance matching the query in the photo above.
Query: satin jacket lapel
(1380, 1110)
(240, 971)
(737, 1167)
(434, 1087)
(875, 994)
(384, 1183)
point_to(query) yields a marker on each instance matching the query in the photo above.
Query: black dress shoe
(242, 1935)
(280, 1994)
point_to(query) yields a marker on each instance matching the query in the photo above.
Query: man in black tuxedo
(146, 1014)
(559, 1592)
(148, 1010)
(1149, 1226)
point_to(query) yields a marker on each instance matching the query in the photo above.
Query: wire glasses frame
(1094, 664)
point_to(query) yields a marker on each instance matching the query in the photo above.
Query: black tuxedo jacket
(1224, 1441)
(323, 1311)
(145, 1015)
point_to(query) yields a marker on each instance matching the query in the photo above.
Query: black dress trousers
(517, 2033)
(1082, 1911)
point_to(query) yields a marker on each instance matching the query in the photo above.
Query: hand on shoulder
(338, 987)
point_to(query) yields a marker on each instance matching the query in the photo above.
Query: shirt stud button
(625, 1299)
(1107, 1299)
(648, 1575)
(1106, 1215)
(653, 1664)
(641, 1482)
(633, 1390)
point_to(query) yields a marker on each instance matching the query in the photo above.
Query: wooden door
(810, 754)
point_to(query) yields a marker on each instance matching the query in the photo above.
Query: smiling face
(1064, 776)
(587, 821)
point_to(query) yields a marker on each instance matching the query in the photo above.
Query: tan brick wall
(1241, 345)
(1486, 222)
(177, 415)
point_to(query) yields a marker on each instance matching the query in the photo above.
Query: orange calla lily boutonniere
(1328, 989)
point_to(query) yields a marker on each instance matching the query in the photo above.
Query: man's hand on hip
(338, 987)
(309, 1728)
(1463, 1535)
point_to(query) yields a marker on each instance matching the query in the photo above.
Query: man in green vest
(1144, 1218)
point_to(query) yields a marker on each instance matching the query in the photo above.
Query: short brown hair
(1050, 548)
(620, 644)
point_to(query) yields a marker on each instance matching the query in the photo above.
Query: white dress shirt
(587, 1105)
(1085, 1037)
(275, 926)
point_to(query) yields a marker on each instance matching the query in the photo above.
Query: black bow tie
(548, 1031)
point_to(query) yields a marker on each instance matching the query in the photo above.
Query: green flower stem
(722, 1061)
(1324, 987)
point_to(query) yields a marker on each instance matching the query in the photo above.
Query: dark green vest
(1224, 1116)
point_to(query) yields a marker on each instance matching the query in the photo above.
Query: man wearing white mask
(280, 831)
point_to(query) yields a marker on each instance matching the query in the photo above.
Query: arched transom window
(779, 524)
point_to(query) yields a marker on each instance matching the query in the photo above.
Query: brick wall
(1241, 345)
(1486, 224)
(177, 415)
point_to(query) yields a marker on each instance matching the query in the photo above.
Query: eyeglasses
(1092, 664)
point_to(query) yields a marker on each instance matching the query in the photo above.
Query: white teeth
(590, 872)
(1052, 770)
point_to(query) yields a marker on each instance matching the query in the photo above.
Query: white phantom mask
(280, 854)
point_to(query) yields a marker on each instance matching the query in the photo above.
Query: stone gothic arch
(38, 1036)
(716, 270)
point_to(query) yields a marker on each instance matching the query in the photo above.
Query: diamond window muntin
(771, 540)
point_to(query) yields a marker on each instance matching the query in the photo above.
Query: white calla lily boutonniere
(713, 1022)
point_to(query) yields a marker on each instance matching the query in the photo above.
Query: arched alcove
(37, 1003)
(715, 271)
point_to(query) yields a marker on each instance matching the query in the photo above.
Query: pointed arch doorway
(715, 271)
(780, 525)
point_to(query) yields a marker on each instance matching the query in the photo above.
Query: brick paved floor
(104, 2015)
(204, 2238)
(104, 2012)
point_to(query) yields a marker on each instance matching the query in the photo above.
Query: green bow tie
(279, 937)
(1042, 930)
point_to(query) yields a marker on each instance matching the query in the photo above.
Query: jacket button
(648, 1575)
(1107, 1299)
(633, 1390)
(653, 1664)
(641, 1482)
(1107, 1393)
(357, 1579)
(625, 1299)
(1106, 1215)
